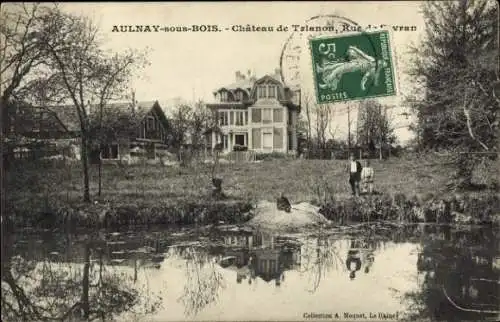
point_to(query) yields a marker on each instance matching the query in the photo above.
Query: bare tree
(307, 102)
(83, 71)
(20, 51)
(180, 125)
(322, 113)
(200, 122)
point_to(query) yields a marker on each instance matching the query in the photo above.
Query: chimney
(277, 72)
(239, 76)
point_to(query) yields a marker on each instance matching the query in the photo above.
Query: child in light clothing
(367, 178)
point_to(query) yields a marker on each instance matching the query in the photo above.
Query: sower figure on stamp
(355, 169)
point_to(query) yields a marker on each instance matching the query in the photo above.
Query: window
(268, 140)
(239, 139)
(150, 125)
(256, 138)
(278, 138)
(223, 118)
(272, 265)
(278, 115)
(231, 117)
(109, 151)
(271, 91)
(261, 91)
(239, 118)
(240, 96)
(256, 115)
(225, 142)
(223, 96)
(267, 116)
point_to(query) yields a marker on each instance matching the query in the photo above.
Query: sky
(191, 65)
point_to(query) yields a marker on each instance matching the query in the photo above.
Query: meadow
(48, 186)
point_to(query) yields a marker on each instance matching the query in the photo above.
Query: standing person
(367, 178)
(355, 169)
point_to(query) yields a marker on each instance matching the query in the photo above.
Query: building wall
(266, 126)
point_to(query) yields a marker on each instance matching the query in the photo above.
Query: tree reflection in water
(320, 256)
(48, 290)
(203, 281)
(460, 281)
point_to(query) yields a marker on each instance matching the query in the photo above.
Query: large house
(259, 114)
(128, 129)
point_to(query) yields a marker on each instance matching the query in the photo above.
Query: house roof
(123, 118)
(247, 83)
(119, 115)
(244, 84)
(67, 115)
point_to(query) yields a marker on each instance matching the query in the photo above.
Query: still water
(367, 272)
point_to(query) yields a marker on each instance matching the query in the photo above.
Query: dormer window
(261, 91)
(271, 91)
(239, 95)
(267, 91)
(223, 96)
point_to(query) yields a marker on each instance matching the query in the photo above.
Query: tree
(374, 126)
(307, 101)
(21, 54)
(180, 127)
(322, 115)
(82, 71)
(201, 120)
(456, 65)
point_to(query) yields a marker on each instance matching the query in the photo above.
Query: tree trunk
(85, 163)
(100, 175)
(86, 282)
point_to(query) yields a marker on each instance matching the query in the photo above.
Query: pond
(363, 272)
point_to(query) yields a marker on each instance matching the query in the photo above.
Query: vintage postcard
(250, 161)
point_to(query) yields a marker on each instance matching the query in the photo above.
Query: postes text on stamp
(354, 66)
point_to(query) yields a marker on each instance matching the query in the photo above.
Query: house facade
(132, 132)
(257, 114)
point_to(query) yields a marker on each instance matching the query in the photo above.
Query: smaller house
(129, 132)
(42, 132)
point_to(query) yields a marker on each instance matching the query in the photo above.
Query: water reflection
(360, 254)
(459, 277)
(259, 255)
(433, 272)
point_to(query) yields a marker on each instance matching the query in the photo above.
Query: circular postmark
(319, 37)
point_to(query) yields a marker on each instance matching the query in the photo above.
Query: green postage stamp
(354, 66)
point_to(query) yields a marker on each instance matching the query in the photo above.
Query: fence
(241, 156)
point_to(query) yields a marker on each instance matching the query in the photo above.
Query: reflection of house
(261, 255)
(259, 114)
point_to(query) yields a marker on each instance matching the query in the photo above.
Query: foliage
(374, 126)
(457, 65)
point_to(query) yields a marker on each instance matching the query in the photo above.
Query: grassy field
(300, 180)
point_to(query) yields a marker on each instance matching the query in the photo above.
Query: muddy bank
(461, 209)
(114, 215)
(455, 208)
(302, 215)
